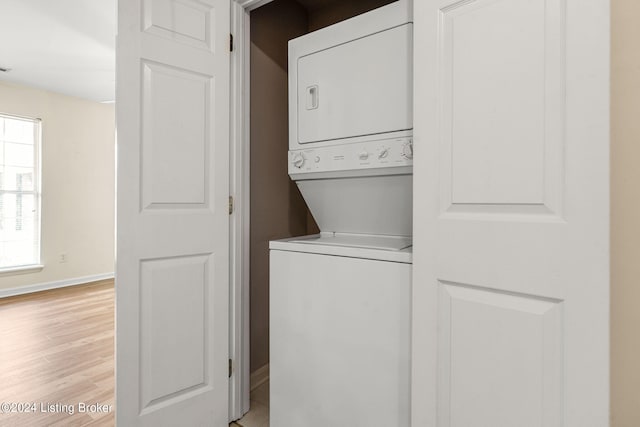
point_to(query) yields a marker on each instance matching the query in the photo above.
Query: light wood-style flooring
(56, 347)
(258, 415)
(56, 351)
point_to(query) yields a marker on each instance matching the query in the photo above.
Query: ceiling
(66, 46)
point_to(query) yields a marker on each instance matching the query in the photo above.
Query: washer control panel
(362, 155)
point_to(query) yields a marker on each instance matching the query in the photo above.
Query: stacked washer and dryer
(340, 301)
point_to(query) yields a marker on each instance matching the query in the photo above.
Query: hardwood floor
(56, 351)
(258, 415)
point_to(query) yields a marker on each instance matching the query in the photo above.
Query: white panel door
(172, 218)
(511, 213)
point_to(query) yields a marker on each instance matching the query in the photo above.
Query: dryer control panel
(385, 153)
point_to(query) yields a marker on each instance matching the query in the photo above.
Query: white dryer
(340, 301)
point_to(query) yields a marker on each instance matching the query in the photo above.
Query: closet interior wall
(277, 209)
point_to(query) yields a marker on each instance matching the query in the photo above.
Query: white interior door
(511, 185)
(172, 217)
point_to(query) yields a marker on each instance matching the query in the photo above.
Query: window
(19, 192)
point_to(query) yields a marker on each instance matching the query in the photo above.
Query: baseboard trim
(28, 289)
(259, 377)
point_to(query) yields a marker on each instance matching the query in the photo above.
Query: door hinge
(230, 205)
(230, 367)
(230, 42)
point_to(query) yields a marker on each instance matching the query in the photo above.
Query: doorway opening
(57, 201)
(277, 209)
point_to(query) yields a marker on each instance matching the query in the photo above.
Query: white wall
(78, 184)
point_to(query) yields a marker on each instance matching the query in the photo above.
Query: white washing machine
(340, 332)
(340, 301)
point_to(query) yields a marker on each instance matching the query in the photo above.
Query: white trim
(23, 269)
(239, 333)
(239, 229)
(259, 377)
(28, 289)
(249, 5)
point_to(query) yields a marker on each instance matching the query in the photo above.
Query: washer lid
(372, 247)
(363, 241)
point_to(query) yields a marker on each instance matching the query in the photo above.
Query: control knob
(407, 150)
(383, 153)
(363, 155)
(298, 160)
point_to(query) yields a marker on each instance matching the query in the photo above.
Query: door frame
(239, 227)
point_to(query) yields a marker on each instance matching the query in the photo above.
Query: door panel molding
(471, 317)
(187, 21)
(166, 330)
(179, 131)
(519, 170)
